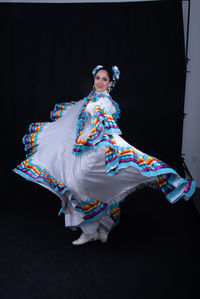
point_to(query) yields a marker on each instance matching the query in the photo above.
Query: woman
(81, 157)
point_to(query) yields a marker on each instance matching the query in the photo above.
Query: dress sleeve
(101, 126)
(102, 117)
(59, 110)
(104, 103)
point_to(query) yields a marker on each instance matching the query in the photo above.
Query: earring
(94, 88)
(108, 89)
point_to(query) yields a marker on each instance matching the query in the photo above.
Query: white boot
(103, 234)
(84, 238)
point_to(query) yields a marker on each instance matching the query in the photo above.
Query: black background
(48, 53)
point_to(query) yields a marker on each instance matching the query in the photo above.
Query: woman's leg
(96, 230)
(89, 233)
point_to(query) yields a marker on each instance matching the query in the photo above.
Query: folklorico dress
(81, 157)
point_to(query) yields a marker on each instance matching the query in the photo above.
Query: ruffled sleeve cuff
(102, 123)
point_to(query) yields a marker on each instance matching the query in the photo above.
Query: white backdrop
(191, 128)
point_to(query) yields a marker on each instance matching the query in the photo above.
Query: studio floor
(152, 253)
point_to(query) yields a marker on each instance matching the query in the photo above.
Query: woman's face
(101, 81)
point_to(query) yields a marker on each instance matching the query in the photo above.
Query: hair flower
(96, 69)
(116, 72)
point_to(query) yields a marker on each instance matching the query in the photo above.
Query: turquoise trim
(116, 114)
(103, 127)
(185, 195)
(172, 196)
(29, 146)
(148, 174)
(163, 168)
(59, 213)
(99, 215)
(31, 176)
(61, 108)
(191, 191)
(177, 190)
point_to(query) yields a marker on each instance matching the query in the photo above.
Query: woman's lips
(99, 86)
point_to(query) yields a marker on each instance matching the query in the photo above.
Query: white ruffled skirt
(88, 194)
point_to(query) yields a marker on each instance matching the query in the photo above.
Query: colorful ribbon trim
(30, 140)
(59, 109)
(102, 124)
(115, 213)
(148, 165)
(34, 173)
(92, 209)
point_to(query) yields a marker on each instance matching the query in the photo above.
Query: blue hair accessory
(98, 67)
(116, 74)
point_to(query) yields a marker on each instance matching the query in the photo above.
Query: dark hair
(108, 71)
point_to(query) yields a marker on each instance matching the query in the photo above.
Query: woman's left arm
(102, 125)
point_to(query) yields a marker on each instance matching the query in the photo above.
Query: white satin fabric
(84, 175)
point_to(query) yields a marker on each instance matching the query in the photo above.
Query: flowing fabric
(81, 157)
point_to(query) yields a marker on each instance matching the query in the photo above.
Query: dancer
(81, 157)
